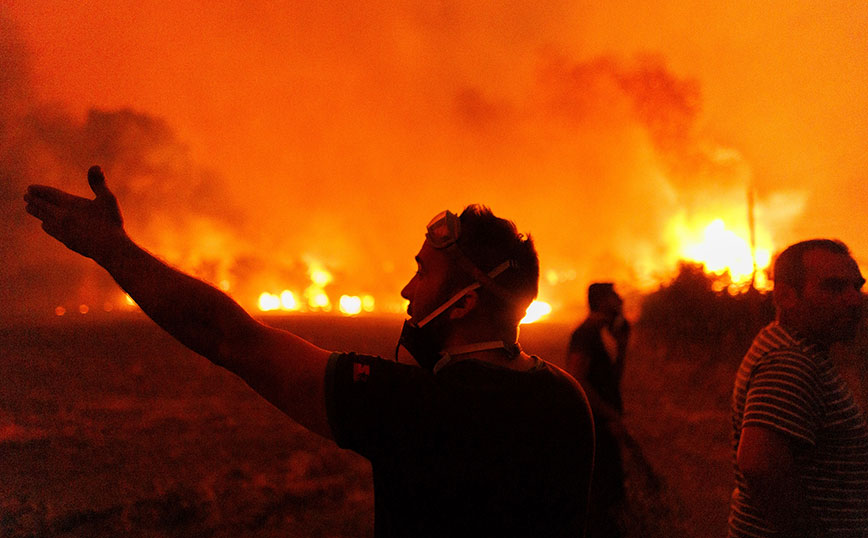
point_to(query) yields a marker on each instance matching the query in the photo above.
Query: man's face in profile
(612, 305)
(427, 289)
(830, 302)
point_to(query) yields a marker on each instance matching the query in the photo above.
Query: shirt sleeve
(784, 396)
(368, 399)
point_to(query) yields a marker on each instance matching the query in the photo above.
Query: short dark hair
(597, 293)
(488, 241)
(789, 267)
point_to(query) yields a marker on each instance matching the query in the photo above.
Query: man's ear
(785, 296)
(465, 305)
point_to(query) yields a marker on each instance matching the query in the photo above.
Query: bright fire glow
(319, 276)
(350, 304)
(268, 302)
(288, 301)
(721, 249)
(536, 311)
(317, 299)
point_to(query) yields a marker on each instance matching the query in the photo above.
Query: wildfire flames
(316, 298)
(621, 156)
(719, 247)
(722, 250)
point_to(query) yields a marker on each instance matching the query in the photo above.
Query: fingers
(52, 195)
(41, 208)
(96, 180)
(104, 197)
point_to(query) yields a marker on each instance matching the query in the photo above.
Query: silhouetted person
(481, 440)
(800, 441)
(596, 359)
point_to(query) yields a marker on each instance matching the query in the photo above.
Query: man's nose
(405, 292)
(854, 296)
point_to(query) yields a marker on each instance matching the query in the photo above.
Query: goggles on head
(443, 232)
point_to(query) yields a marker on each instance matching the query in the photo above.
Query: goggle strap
(486, 280)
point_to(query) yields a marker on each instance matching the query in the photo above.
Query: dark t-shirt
(475, 450)
(587, 339)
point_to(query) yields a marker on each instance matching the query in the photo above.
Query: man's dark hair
(597, 293)
(488, 241)
(789, 267)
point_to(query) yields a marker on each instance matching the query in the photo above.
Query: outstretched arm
(285, 369)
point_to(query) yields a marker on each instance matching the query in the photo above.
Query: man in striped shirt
(800, 440)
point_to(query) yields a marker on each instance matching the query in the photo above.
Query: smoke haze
(247, 140)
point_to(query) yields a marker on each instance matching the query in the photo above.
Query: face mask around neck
(424, 340)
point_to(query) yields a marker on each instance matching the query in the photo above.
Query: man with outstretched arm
(480, 440)
(800, 440)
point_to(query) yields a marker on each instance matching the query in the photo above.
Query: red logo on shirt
(361, 372)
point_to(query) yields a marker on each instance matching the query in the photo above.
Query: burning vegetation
(621, 163)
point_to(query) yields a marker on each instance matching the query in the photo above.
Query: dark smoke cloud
(148, 168)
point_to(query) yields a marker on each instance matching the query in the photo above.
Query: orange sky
(262, 135)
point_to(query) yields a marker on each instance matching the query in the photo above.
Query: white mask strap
(451, 301)
(461, 293)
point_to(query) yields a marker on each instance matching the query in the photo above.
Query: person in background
(595, 357)
(800, 441)
(480, 439)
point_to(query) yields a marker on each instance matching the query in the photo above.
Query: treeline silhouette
(696, 315)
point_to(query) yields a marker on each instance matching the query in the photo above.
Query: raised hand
(89, 227)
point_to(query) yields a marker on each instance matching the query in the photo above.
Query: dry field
(113, 429)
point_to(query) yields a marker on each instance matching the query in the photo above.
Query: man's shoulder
(776, 337)
(553, 372)
(542, 379)
(778, 368)
(587, 330)
(540, 371)
(368, 364)
(570, 389)
(375, 376)
(775, 346)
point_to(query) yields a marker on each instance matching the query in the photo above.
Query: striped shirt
(793, 388)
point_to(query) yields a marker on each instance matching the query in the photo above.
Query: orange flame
(720, 249)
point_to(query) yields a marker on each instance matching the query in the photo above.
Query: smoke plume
(250, 141)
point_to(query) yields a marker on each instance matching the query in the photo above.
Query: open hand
(88, 227)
